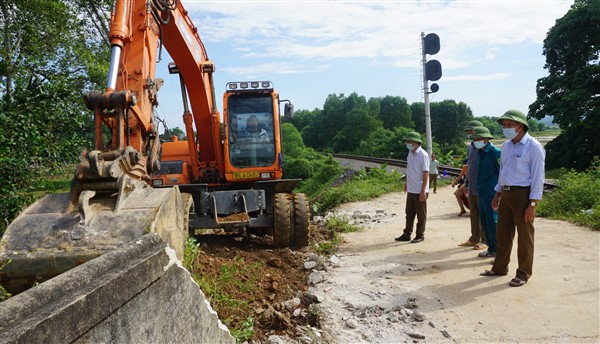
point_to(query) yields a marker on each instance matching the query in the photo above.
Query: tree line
(376, 126)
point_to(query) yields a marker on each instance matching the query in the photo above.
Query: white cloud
(490, 54)
(496, 76)
(272, 68)
(324, 30)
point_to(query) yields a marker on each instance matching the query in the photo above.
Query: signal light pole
(432, 70)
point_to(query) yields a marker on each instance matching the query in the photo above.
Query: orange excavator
(224, 178)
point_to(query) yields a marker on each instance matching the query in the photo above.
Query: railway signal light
(431, 44)
(433, 70)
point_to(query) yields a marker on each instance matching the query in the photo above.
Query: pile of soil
(279, 302)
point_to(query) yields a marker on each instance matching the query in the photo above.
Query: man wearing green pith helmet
(416, 188)
(520, 186)
(477, 239)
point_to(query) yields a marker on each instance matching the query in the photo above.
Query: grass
(335, 225)
(365, 186)
(237, 275)
(245, 332)
(341, 224)
(576, 198)
(328, 248)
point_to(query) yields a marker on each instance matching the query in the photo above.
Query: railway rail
(450, 170)
(549, 184)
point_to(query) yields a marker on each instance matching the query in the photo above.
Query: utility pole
(432, 70)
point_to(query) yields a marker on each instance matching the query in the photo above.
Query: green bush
(327, 169)
(297, 168)
(366, 185)
(576, 197)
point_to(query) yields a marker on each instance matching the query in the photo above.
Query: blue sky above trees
(491, 51)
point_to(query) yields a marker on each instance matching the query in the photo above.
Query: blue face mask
(510, 133)
(409, 146)
(479, 144)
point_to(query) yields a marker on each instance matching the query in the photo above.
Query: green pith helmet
(470, 136)
(413, 136)
(481, 132)
(473, 124)
(514, 115)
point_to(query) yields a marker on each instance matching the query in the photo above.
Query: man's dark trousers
(414, 207)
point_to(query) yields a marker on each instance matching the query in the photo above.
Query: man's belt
(513, 187)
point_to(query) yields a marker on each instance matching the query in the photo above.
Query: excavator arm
(126, 108)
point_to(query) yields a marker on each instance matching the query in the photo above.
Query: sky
(491, 50)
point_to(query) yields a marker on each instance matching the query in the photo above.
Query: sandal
(489, 273)
(517, 282)
(467, 243)
(479, 246)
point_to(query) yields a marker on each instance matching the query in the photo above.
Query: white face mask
(510, 133)
(409, 146)
(479, 144)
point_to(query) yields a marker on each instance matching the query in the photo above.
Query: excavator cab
(252, 132)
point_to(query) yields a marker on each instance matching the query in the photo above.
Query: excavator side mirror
(288, 110)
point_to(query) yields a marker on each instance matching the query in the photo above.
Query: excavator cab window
(251, 135)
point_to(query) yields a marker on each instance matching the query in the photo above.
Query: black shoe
(417, 239)
(403, 238)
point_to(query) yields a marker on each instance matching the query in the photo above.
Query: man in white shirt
(519, 189)
(416, 187)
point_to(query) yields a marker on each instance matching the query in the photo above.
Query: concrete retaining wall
(139, 293)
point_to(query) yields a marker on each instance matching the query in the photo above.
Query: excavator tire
(301, 218)
(282, 220)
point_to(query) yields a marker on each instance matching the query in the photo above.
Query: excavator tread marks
(301, 220)
(282, 213)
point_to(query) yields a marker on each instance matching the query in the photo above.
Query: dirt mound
(252, 285)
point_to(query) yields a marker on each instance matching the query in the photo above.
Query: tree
(303, 118)
(395, 112)
(334, 122)
(385, 143)
(492, 125)
(448, 120)
(169, 133)
(358, 126)
(417, 111)
(571, 91)
(50, 53)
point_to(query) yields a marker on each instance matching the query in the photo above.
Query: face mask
(479, 144)
(510, 133)
(409, 146)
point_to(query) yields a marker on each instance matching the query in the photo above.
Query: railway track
(450, 170)
(549, 184)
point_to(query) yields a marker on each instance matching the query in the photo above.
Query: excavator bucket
(51, 236)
